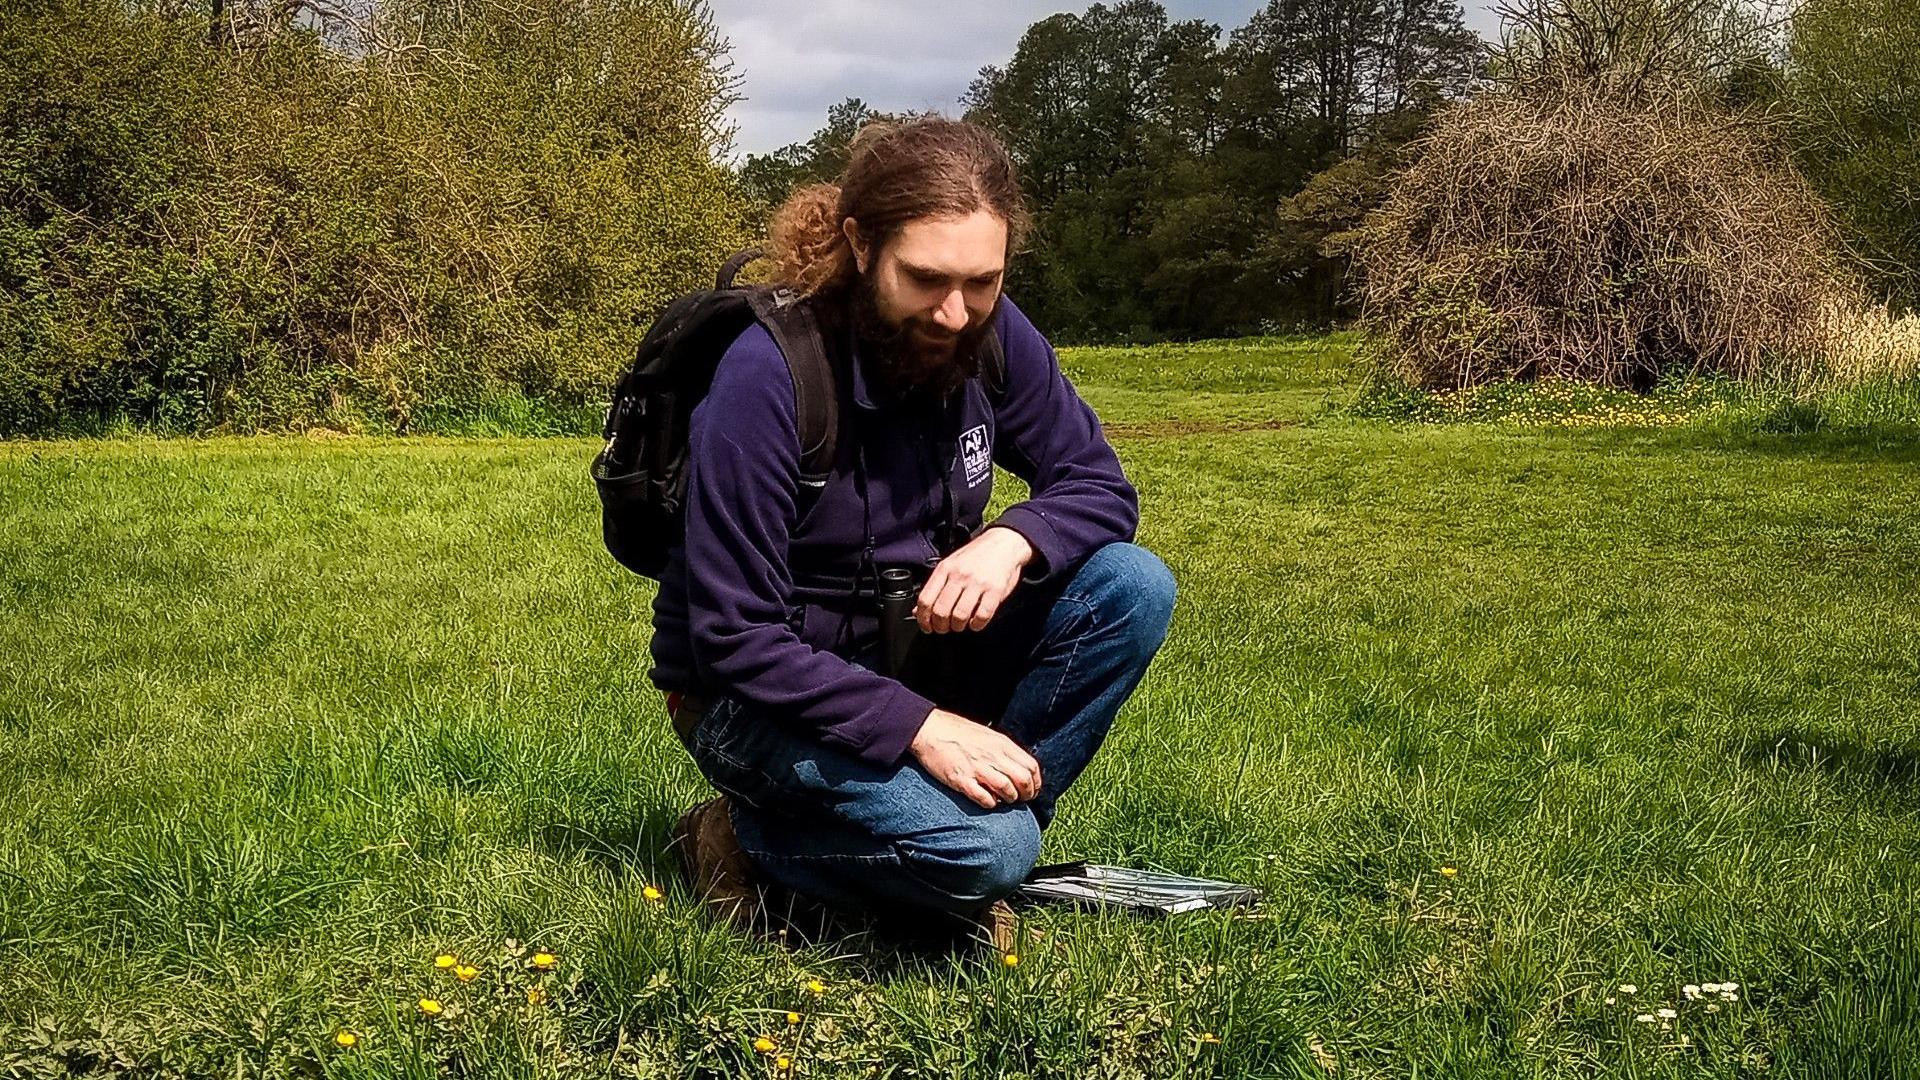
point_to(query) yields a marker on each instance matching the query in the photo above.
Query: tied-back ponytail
(805, 241)
(897, 172)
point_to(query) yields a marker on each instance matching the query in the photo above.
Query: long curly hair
(897, 171)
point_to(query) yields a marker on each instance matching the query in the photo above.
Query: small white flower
(1666, 1014)
(1729, 987)
(1611, 999)
(1711, 988)
(1629, 988)
(1645, 1018)
(1711, 1007)
(1728, 995)
(1691, 991)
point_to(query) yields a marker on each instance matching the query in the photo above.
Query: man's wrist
(929, 729)
(1018, 542)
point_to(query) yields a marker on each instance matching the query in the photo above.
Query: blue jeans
(1050, 672)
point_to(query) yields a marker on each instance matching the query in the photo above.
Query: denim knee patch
(976, 861)
(1127, 584)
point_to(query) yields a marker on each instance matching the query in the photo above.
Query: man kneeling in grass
(924, 797)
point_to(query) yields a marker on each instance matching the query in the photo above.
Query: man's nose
(952, 313)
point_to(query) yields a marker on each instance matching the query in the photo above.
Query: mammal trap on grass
(1147, 892)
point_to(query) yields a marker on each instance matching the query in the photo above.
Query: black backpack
(642, 472)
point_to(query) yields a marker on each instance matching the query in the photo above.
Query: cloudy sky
(896, 55)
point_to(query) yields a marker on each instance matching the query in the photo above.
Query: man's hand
(968, 586)
(975, 760)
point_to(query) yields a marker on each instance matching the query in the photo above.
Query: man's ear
(852, 229)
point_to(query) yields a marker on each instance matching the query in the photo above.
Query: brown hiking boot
(1000, 928)
(715, 866)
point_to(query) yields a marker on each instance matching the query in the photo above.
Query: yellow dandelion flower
(544, 960)
(345, 1040)
(1449, 871)
(465, 972)
(763, 1044)
(445, 961)
(652, 894)
(783, 1062)
(430, 1007)
(815, 986)
(1011, 959)
(1208, 1038)
(793, 1018)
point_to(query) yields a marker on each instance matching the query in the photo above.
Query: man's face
(931, 291)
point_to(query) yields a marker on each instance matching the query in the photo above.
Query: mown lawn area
(1501, 717)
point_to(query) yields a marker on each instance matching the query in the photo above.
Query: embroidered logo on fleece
(977, 455)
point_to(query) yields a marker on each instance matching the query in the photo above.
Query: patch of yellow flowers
(767, 1045)
(436, 1008)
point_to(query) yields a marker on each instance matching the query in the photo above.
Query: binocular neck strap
(869, 567)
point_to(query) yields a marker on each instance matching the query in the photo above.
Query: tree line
(1189, 182)
(411, 215)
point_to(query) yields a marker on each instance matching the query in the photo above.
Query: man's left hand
(968, 586)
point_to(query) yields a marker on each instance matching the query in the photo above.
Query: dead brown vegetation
(1604, 237)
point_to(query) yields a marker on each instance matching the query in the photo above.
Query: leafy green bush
(1855, 78)
(233, 224)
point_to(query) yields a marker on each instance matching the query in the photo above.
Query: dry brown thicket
(1608, 238)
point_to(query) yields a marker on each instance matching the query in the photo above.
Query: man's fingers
(1029, 765)
(929, 594)
(971, 788)
(1005, 783)
(1019, 767)
(964, 609)
(943, 617)
(983, 614)
(935, 602)
(1026, 776)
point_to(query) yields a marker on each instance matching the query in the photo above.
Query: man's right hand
(975, 760)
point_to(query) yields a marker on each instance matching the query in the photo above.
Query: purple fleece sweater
(753, 603)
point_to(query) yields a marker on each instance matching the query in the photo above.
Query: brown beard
(903, 368)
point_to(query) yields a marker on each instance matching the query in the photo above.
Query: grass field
(1501, 716)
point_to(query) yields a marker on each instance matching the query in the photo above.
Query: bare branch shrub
(1575, 234)
(1630, 48)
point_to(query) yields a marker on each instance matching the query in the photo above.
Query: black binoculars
(899, 630)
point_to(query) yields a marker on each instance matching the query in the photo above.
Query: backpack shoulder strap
(816, 399)
(993, 367)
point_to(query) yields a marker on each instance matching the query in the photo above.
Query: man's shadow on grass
(1881, 772)
(1891, 443)
(630, 843)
